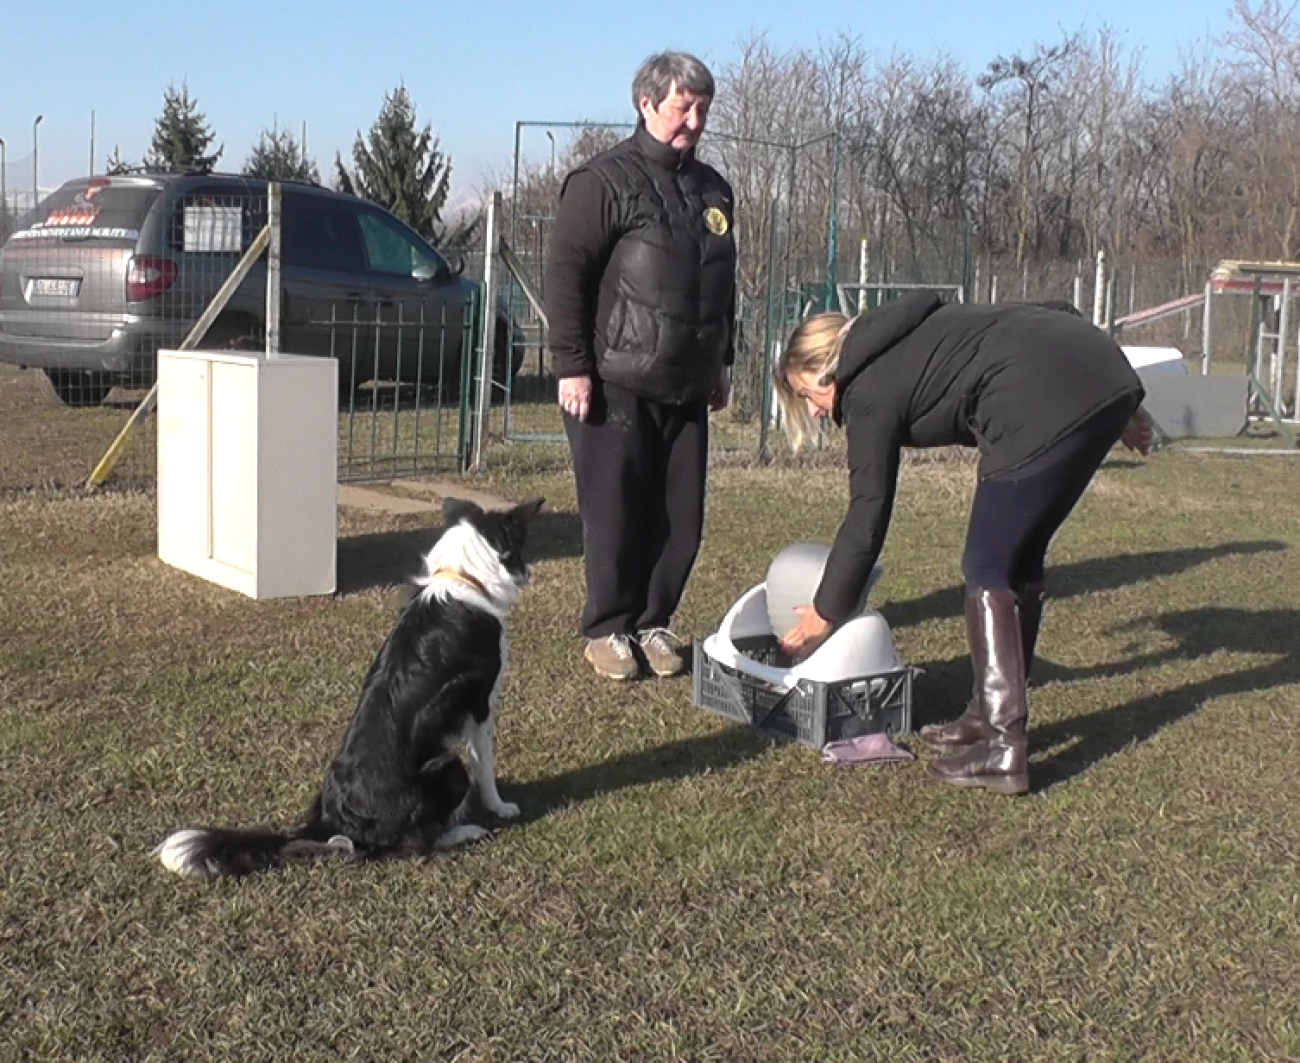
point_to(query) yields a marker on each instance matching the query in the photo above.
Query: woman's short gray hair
(657, 75)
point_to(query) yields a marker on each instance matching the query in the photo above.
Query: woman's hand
(1140, 432)
(575, 396)
(808, 634)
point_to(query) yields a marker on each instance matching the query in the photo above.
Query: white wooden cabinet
(248, 470)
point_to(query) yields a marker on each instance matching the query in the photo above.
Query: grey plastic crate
(812, 713)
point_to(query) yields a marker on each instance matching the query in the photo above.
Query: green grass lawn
(678, 888)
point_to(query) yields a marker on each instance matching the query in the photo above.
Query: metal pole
(514, 193)
(968, 268)
(1295, 398)
(484, 399)
(862, 276)
(832, 241)
(1279, 355)
(4, 195)
(1252, 346)
(1099, 290)
(1207, 328)
(768, 380)
(91, 171)
(36, 166)
(789, 222)
(273, 270)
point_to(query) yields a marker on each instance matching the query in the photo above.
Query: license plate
(60, 286)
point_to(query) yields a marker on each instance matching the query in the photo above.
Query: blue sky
(473, 69)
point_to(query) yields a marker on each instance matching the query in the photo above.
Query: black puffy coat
(640, 274)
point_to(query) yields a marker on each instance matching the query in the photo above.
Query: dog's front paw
(465, 834)
(504, 809)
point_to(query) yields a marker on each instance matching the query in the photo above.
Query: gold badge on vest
(715, 221)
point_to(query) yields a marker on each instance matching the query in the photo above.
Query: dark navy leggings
(1015, 515)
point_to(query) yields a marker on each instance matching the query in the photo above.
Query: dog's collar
(459, 577)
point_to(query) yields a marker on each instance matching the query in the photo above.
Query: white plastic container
(853, 684)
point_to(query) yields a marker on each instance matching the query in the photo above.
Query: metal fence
(93, 290)
(90, 291)
(94, 284)
(412, 416)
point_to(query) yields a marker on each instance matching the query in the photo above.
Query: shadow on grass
(1198, 633)
(1083, 577)
(394, 558)
(1088, 739)
(670, 761)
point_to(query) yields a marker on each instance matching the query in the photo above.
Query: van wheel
(507, 358)
(77, 387)
(234, 334)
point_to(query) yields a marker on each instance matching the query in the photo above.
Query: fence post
(863, 272)
(1207, 328)
(766, 380)
(1295, 398)
(489, 331)
(1099, 290)
(273, 269)
(832, 240)
(1278, 366)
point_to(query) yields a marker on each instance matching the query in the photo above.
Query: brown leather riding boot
(971, 726)
(999, 760)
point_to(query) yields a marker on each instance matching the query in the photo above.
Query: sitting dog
(397, 786)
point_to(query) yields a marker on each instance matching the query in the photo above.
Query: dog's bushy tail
(216, 852)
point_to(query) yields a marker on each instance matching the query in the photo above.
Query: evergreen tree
(116, 164)
(181, 136)
(278, 156)
(462, 231)
(400, 167)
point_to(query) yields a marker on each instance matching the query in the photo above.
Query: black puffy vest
(670, 281)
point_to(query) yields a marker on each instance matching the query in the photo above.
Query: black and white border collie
(398, 787)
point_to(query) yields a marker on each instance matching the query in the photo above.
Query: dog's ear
(454, 510)
(529, 509)
(517, 518)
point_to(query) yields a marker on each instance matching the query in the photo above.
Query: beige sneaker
(663, 651)
(612, 657)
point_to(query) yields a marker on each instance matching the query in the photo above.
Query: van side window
(215, 218)
(320, 235)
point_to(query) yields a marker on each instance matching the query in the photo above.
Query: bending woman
(1044, 395)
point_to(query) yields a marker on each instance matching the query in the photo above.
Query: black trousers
(640, 468)
(1015, 516)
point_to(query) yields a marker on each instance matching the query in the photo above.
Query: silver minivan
(108, 270)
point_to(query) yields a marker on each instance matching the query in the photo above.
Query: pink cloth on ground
(867, 749)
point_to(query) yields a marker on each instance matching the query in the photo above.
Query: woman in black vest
(641, 302)
(1044, 395)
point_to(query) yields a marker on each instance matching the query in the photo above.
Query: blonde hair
(814, 347)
